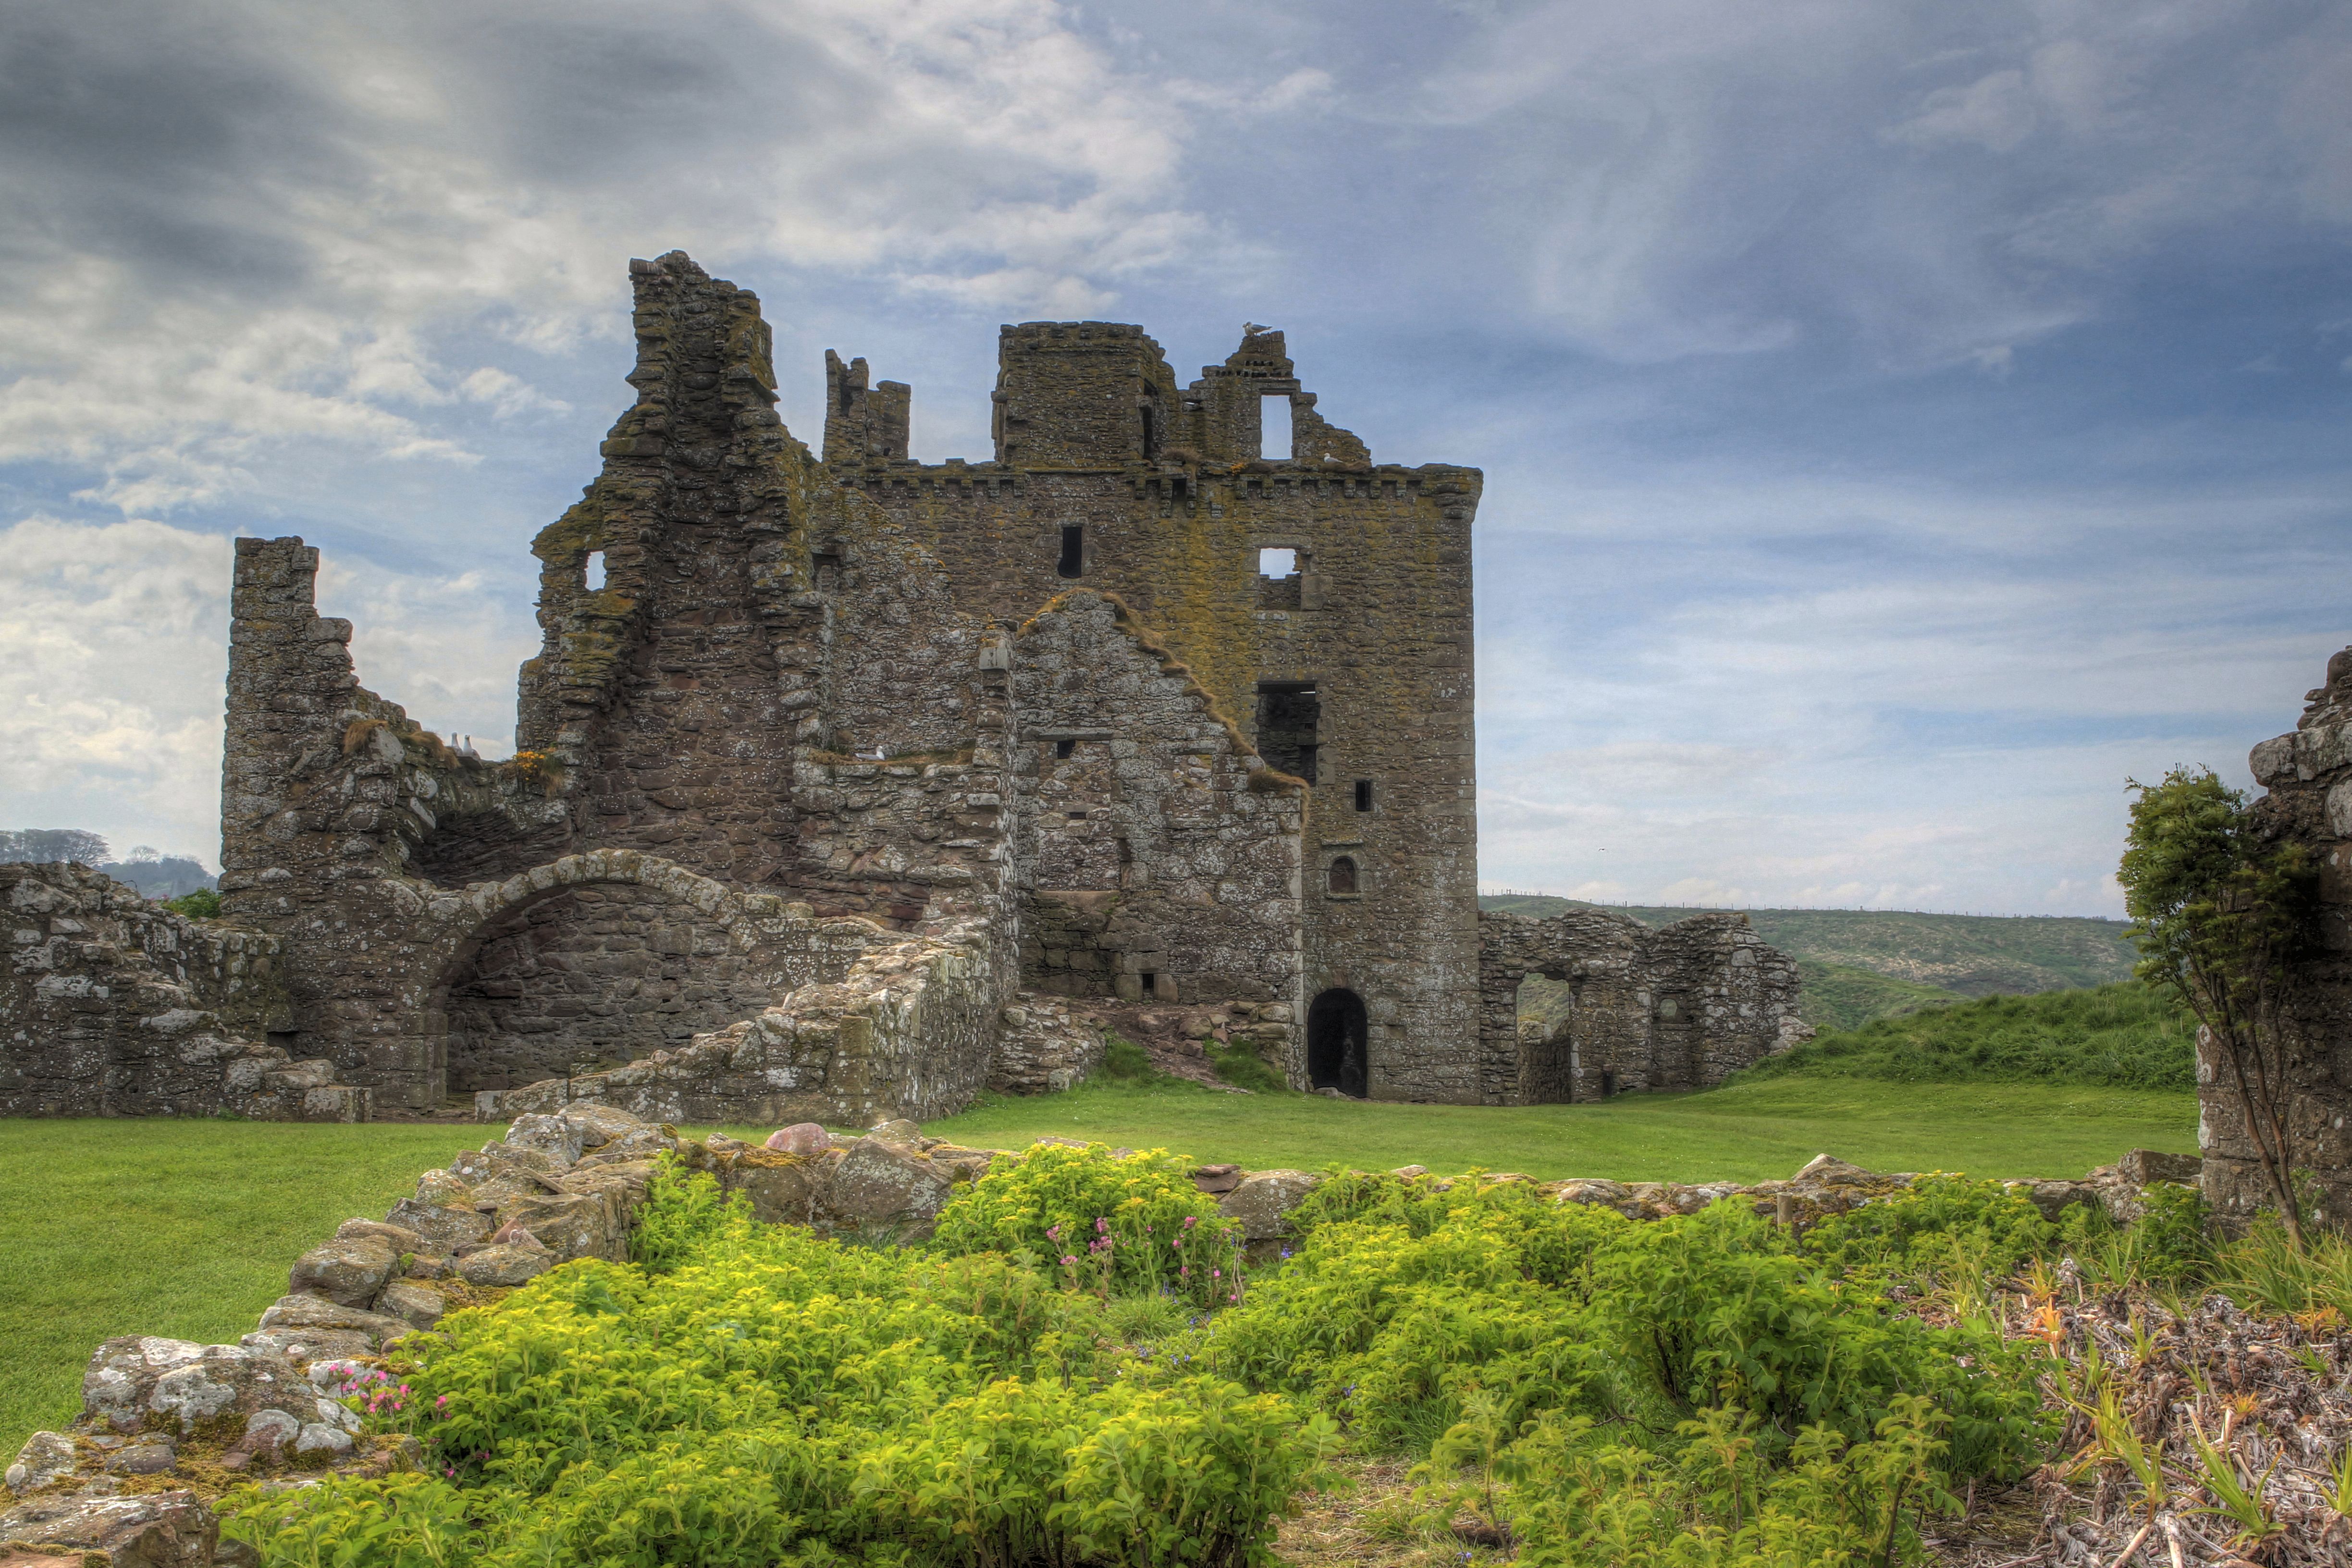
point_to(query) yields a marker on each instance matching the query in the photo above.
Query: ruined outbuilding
(828, 761)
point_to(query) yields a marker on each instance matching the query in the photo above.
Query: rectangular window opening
(1151, 984)
(825, 570)
(1074, 550)
(1150, 433)
(1274, 428)
(1287, 714)
(1064, 748)
(1279, 563)
(1363, 794)
(595, 572)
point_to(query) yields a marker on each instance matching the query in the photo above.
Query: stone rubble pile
(166, 1424)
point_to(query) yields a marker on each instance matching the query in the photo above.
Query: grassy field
(186, 1228)
(179, 1228)
(2118, 1037)
(1971, 955)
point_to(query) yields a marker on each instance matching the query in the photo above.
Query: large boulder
(348, 1271)
(880, 1182)
(806, 1139)
(155, 1530)
(140, 1381)
(1264, 1200)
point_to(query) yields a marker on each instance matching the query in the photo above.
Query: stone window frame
(1353, 855)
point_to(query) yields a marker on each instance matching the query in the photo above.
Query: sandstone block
(792, 1192)
(559, 1137)
(305, 1346)
(1263, 1199)
(569, 1224)
(347, 1271)
(400, 1238)
(413, 1303)
(2142, 1166)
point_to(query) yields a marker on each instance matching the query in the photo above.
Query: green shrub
(1941, 1231)
(201, 905)
(1114, 1225)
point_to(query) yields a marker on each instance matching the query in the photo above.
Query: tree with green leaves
(2222, 910)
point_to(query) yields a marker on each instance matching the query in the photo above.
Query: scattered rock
(781, 1191)
(1217, 1179)
(2142, 1166)
(806, 1139)
(304, 1346)
(267, 1431)
(1831, 1171)
(155, 1530)
(399, 1237)
(143, 1459)
(569, 1224)
(444, 1189)
(46, 1458)
(560, 1137)
(320, 1437)
(900, 1131)
(1409, 1173)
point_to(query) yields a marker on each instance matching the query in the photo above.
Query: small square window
(1064, 748)
(1277, 562)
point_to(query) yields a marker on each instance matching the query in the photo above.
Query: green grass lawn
(186, 1228)
(179, 1228)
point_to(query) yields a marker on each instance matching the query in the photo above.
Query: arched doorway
(1337, 1030)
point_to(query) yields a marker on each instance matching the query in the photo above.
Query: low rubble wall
(168, 1425)
(111, 1006)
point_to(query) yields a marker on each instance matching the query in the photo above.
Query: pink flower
(1068, 1260)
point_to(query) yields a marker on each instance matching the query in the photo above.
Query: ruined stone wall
(113, 1006)
(1383, 630)
(2307, 774)
(1680, 1007)
(1162, 846)
(909, 1030)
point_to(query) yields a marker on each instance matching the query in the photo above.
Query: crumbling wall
(2307, 774)
(1680, 1007)
(114, 1006)
(910, 1030)
(1163, 847)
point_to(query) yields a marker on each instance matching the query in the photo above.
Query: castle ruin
(839, 777)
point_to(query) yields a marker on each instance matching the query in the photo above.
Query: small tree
(2219, 913)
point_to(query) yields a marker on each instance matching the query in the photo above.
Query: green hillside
(1860, 964)
(2108, 1036)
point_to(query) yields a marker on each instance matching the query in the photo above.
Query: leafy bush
(1115, 1224)
(1943, 1231)
(751, 1394)
(201, 905)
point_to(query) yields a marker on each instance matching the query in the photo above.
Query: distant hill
(1860, 964)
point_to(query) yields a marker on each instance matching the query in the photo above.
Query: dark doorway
(1287, 714)
(1337, 1030)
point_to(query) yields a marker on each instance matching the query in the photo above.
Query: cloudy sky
(1902, 421)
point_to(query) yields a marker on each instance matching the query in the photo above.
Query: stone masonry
(836, 775)
(1681, 1008)
(2308, 775)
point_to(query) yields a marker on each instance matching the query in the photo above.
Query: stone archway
(593, 961)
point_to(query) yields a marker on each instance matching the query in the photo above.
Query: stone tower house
(836, 774)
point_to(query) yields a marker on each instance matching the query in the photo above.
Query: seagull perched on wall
(1250, 329)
